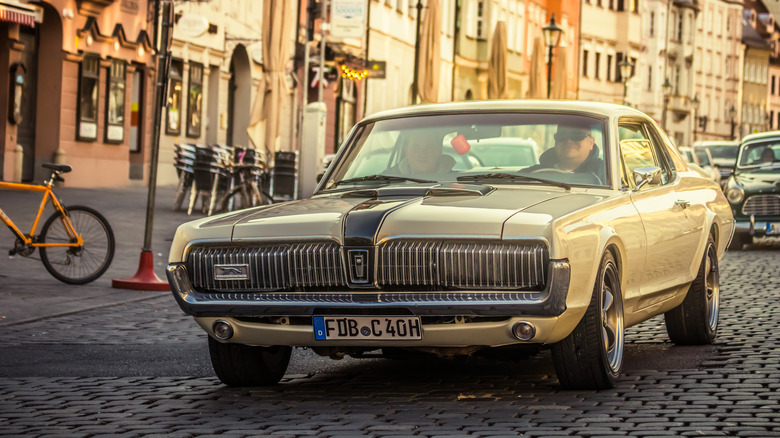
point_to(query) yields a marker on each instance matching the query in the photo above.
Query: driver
(574, 150)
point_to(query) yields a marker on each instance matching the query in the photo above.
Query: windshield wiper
(504, 175)
(381, 177)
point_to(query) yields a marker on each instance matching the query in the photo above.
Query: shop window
(89, 78)
(195, 100)
(173, 118)
(115, 106)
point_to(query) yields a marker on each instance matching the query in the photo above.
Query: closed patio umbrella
(559, 84)
(537, 88)
(430, 53)
(497, 83)
(278, 20)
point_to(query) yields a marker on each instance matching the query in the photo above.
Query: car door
(670, 230)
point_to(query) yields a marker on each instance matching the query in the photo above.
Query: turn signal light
(524, 331)
(222, 330)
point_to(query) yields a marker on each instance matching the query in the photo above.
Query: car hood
(365, 217)
(759, 181)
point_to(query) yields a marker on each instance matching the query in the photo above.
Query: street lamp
(695, 104)
(552, 37)
(667, 87)
(626, 66)
(415, 85)
(733, 118)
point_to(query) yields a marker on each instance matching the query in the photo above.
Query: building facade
(611, 33)
(753, 113)
(83, 95)
(718, 55)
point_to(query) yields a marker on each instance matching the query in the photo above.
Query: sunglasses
(573, 136)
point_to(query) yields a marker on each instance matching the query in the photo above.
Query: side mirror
(646, 175)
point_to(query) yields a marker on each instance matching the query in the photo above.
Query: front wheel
(695, 321)
(77, 264)
(246, 365)
(591, 357)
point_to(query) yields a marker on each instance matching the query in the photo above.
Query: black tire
(591, 357)
(182, 190)
(740, 240)
(695, 320)
(83, 264)
(245, 365)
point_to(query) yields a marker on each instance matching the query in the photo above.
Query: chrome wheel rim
(611, 319)
(712, 288)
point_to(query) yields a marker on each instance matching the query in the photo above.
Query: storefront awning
(16, 12)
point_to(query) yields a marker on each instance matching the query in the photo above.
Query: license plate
(772, 228)
(398, 328)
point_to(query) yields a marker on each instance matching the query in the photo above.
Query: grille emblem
(231, 272)
(358, 265)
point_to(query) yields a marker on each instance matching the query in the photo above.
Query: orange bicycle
(76, 243)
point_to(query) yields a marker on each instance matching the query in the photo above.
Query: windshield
(724, 152)
(561, 148)
(760, 155)
(703, 158)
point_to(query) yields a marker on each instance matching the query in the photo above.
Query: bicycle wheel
(235, 199)
(77, 265)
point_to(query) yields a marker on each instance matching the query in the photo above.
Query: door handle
(682, 203)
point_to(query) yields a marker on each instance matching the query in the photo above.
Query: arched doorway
(239, 95)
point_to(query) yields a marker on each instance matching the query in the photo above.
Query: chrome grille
(271, 267)
(762, 205)
(474, 265)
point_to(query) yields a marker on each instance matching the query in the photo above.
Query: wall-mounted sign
(191, 26)
(376, 69)
(347, 18)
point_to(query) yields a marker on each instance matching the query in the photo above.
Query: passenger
(768, 155)
(422, 154)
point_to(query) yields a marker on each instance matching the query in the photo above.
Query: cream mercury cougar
(429, 232)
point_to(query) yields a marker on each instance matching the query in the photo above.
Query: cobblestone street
(729, 389)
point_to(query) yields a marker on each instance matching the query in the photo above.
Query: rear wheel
(82, 264)
(591, 357)
(245, 365)
(695, 320)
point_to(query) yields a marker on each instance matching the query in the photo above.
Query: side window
(640, 148)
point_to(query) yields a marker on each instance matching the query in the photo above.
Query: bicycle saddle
(64, 168)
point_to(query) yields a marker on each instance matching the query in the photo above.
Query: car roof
(761, 136)
(716, 143)
(595, 108)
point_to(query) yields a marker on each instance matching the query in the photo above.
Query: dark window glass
(173, 115)
(585, 63)
(115, 106)
(89, 78)
(195, 101)
(609, 67)
(598, 65)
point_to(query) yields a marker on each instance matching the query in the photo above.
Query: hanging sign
(192, 25)
(347, 18)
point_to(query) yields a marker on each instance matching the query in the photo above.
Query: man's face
(423, 154)
(572, 146)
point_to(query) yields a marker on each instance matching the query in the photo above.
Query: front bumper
(549, 302)
(753, 226)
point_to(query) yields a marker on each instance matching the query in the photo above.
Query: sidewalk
(28, 292)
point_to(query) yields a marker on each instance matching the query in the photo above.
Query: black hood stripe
(364, 220)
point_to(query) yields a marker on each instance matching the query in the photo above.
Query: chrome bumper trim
(549, 302)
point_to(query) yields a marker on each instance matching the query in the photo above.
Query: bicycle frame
(47, 193)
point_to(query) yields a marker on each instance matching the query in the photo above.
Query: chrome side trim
(549, 302)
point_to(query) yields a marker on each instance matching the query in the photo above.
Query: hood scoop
(448, 189)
